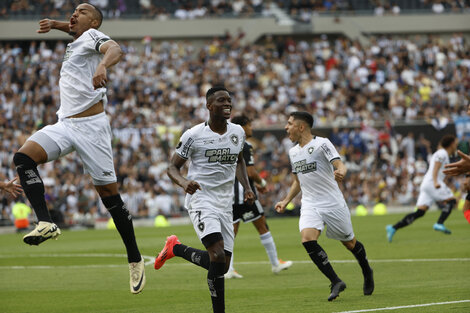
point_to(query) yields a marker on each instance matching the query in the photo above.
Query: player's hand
(459, 167)
(45, 26)
(262, 189)
(191, 186)
(13, 189)
(437, 185)
(280, 206)
(339, 176)
(249, 197)
(100, 79)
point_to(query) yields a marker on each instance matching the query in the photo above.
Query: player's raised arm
(242, 177)
(293, 191)
(112, 55)
(340, 170)
(174, 172)
(46, 25)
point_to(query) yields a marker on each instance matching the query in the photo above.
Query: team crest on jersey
(234, 139)
(67, 54)
(310, 150)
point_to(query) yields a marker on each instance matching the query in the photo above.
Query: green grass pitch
(85, 271)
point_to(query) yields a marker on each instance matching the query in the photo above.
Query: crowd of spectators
(188, 9)
(157, 91)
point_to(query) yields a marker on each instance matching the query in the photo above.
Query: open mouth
(72, 22)
(227, 111)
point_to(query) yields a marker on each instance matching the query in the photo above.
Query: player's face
(82, 19)
(220, 104)
(248, 130)
(293, 129)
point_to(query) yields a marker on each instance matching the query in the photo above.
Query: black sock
(32, 184)
(196, 256)
(446, 210)
(360, 253)
(123, 221)
(319, 257)
(215, 280)
(407, 220)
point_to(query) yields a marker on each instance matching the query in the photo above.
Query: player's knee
(24, 161)
(216, 254)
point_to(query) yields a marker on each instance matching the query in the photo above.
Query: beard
(72, 33)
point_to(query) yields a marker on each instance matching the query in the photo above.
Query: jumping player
(83, 127)
(214, 149)
(253, 213)
(433, 189)
(316, 168)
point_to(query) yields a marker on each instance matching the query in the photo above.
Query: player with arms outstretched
(83, 127)
(214, 149)
(316, 168)
(254, 213)
(433, 189)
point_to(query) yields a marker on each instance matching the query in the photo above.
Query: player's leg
(232, 273)
(359, 252)
(40, 148)
(267, 241)
(218, 258)
(446, 196)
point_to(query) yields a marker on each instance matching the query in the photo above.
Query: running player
(253, 213)
(214, 149)
(316, 168)
(433, 189)
(83, 127)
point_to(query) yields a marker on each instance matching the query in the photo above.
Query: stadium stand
(353, 88)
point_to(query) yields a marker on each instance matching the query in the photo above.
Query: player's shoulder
(294, 150)
(196, 130)
(320, 140)
(95, 34)
(235, 128)
(441, 153)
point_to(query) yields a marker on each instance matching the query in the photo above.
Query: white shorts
(428, 194)
(337, 221)
(90, 136)
(208, 221)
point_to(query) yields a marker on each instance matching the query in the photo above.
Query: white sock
(231, 264)
(268, 243)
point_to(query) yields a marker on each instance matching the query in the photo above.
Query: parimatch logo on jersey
(221, 155)
(304, 167)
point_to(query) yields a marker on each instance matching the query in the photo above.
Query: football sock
(123, 221)
(446, 210)
(407, 220)
(195, 256)
(231, 264)
(467, 215)
(268, 243)
(32, 184)
(215, 281)
(360, 253)
(320, 258)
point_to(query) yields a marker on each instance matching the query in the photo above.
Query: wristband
(263, 183)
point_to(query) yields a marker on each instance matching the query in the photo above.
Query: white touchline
(405, 306)
(150, 260)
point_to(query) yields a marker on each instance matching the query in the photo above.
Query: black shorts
(247, 213)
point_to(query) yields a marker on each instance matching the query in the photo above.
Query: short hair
(447, 140)
(241, 120)
(214, 89)
(303, 116)
(99, 14)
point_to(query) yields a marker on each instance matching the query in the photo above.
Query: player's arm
(340, 170)
(254, 176)
(13, 189)
(46, 25)
(112, 55)
(242, 177)
(293, 191)
(435, 172)
(460, 167)
(174, 172)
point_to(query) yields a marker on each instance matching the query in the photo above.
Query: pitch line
(406, 306)
(150, 260)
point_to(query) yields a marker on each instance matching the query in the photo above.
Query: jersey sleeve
(248, 155)
(97, 38)
(185, 145)
(441, 156)
(292, 164)
(329, 151)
